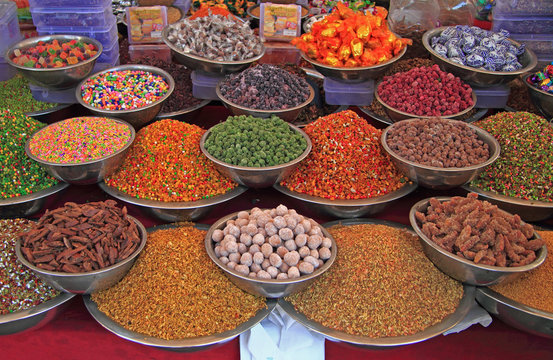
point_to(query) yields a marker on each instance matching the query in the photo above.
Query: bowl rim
(34, 196)
(250, 9)
(525, 79)
(143, 238)
(540, 257)
(32, 41)
(183, 111)
(481, 133)
(45, 306)
(219, 224)
(88, 162)
(437, 31)
(500, 298)
(508, 199)
(147, 68)
(297, 160)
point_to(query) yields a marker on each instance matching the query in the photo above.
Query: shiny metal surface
(441, 178)
(183, 114)
(91, 281)
(289, 114)
(136, 117)
(515, 314)
(478, 77)
(541, 99)
(462, 269)
(257, 177)
(40, 113)
(55, 78)
(272, 288)
(35, 317)
(87, 172)
(385, 120)
(174, 211)
(349, 208)
(27, 205)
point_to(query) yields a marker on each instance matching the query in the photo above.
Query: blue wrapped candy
(495, 57)
(489, 66)
(440, 49)
(520, 49)
(508, 67)
(488, 43)
(510, 58)
(448, 33)
(468, 40)
(480, 50)
(453, 42)
(457, 60)
(474, 60)
(455, 51)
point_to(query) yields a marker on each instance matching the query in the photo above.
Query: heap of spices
(524, 168)
(16, 96)
(165, 163)
(20, 288)
(519, 99)
(397, 290)
(346, 161)
(20, 175)
(206, 10)
(535, 287)
(79, 139)
(182, 292)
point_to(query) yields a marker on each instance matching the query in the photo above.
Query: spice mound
(174, 291)
(20, 175)
(165, 163)
(79, 140)
(79, 238)
(347, 161)
(272, 244)
(524, 168)
(437, 142)
(265, 87)
(255, 142)
(397, 290)
(16, 96)
(477, 230)
(20, 288)
(54, 54)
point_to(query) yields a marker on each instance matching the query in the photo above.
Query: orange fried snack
(346, 38)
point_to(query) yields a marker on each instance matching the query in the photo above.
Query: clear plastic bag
(456, 12)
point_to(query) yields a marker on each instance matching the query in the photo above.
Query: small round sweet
(217, 235)
(241, 222)
(223, 251)
(306, 268)
(273, 271)
(225, 260)
(217, 251)
(314, 241)
(293, 272)
(258, 258)
(279, 222)
(281, 251)
(301, 240)
(304, 251)
(291, 221)
(251, 229)
(315, 230)
(246, 239)
(255, 267)
(299, 229)
(228, 238)
(271, 229)
(262, 274)
(267, 250)
(265, 264)
(234, 230)
(292, 258)
(275, 240)
(243, 215)
(306, 225)
(242, 248)
(262, 219)
(327, 243)
(246, 259)
(252, 274)
(282, 276)
(243, 269)
(284, 267)
(315, 254)
(321, 262)
(234, 257)
(281, 210)
(286, 233)
(324, 253)
(290, 245)
(231, 247)
(275, 260)
(312, 260)
(231, 265)
(258, 239)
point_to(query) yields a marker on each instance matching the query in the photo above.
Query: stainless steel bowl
(541, 99)
(257, 177)
(27, 205)
(308, 24)
(55, 78)
(479, 114)
(184, 114)
(515, 314)
(175, 211)
(462, 269)
(349, 208)
(474, 76)
(528, 210)
(441, 178)
(136, 117)
(195, 62)
(35, 317)
(87, 172)
(86, 282)
(271, 288)
(289, 114)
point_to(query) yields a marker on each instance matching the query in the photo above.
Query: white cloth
(476, 315)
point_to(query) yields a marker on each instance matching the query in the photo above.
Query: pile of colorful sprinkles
(16, 95)
(524, 168)
(346, 162)
(123, 89)
(20, 175)
(165, 163)
(79, 140)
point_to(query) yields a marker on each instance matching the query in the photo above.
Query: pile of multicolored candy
(543, 80)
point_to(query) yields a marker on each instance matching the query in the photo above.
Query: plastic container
(105, 35)
(184, 5)
(53, 96)
(6, 71)
(541, 44)
(145, 24)
(524, 24)
(203, 85)
(505, 8)
(110, 53)
(158, 51)
(103, 66)
(69, 3)
(343, 93)
(280, 53)
(494, 97)
(77, 16)
(9, 26)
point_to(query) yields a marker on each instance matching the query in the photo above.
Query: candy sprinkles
(123, 90)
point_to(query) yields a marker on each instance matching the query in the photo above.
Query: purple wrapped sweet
(474, 60)
(455, 51)
(488, 43)
(457, 60)
(440, 49)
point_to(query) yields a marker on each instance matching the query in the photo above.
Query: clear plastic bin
(158, 51)
(524, 24)
(105, 35)
(184, 5)
(97, 17)
(6, 71)
(53, 96)
(541, 44)
(494, 97)
(98, 66)
(505, 8)
(9, 26)
(69, 3)
(110, 53)
(280, 53)
(343, 93)
(203, 85)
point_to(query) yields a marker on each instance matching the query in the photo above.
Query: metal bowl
(136, 117)
(55, 78)
(195, 62)
(462, 269)
(308, 24)
(86, 172)
(174, 211)
(515, 314)
(183, 114)
(271, 288)
(474, 76)
(397, 115)
(541, 99)
(528, 210)
(257, 177)
(349, 208)
(86, 282)
(480, 113)
(27, 205)
(35, 317)
(441, 178)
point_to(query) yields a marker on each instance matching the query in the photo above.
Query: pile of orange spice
(206, 10)
(348, 38)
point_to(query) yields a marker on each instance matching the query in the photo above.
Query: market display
(54, 54)
(16, 96)
(543, 79)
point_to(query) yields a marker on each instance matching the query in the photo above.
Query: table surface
(74, 333)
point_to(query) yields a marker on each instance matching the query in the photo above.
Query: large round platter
(26, 205)
(349, 208)
(335, 335)
(386, 120)
(184, 345)
(183, 114)
(173, 211)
